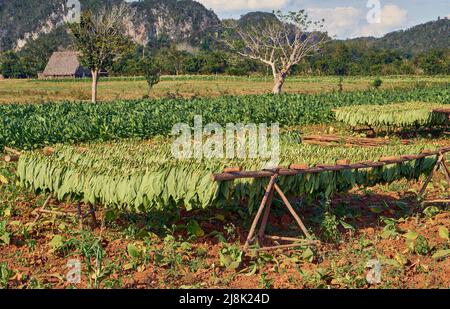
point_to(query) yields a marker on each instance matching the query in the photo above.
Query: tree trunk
(94, 85)
(279, 82)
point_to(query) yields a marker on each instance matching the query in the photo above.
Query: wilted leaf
(401, 259)
(7, 212)
(252, 271)
(128, 266)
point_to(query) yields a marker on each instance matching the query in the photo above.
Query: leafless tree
(280, 42)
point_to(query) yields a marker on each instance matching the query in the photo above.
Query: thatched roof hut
(63, 65)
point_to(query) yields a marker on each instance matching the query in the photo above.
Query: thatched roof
(62, 64)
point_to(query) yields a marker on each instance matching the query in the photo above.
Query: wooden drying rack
(230, 174)
(264, 209)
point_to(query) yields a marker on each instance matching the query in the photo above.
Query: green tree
(100, 40)
(434, 62)
(214, 62)
(152, 72)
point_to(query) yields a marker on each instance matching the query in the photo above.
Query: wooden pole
(446, 171)
(260, 210)
(308, 242)
(283, 238)
(292, 172)
(292, 211)
(40, 210)
(263, 226)
(435, 169)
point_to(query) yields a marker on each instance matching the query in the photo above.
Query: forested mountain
(187, 21)
(178, 34)
(420, 38)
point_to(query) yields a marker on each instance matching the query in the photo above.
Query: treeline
(347, 58)
(339, 58)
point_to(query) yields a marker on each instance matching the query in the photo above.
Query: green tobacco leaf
(411, 235)
(308, 255)
(440, 254)
(56, 242)
(443, 232)
(431, 211)
(346, 225)
(376, 209)
(194, 229)
(133, 251)
(5, 238)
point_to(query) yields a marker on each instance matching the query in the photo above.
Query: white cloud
(352, 22)
(339, 21)
(343, 22)
(239, 5)
(392, 18)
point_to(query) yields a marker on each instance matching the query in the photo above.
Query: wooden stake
(440, 157)
(282, 238)
(40, 210)
(259, 213)
(263, 226)
(308, 242)
(446, 171)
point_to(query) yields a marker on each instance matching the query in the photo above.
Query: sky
(345, 18)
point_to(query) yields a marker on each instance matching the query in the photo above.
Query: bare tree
(101, 39)
(280, 42)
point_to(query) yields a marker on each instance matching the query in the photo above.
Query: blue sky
(345, 18)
